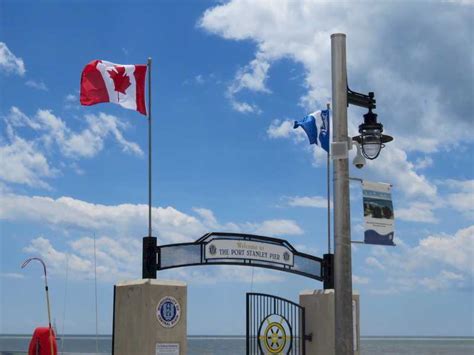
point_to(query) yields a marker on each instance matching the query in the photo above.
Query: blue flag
(310, 125)
(324, 130)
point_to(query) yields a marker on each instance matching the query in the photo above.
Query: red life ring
(40, 343)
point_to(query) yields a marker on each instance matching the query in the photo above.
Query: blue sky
(228, 80)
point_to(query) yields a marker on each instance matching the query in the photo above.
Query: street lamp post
(342, 228)
(370, 141)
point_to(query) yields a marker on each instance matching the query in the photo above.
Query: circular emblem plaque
(275, 335)
(168, 312)
(212, 249)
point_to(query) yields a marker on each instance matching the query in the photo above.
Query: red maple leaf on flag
(120, 78)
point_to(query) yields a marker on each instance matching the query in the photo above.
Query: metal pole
(49, 315)
(65, 298)
(26, 262)
(96, 308)
(149, 147)
(328, 167)
(149, 242)
(342, 231)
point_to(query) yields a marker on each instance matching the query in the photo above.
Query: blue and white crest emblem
(168, 311)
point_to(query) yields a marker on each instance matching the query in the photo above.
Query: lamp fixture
(371, 138)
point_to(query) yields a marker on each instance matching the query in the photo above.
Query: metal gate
(274, 326)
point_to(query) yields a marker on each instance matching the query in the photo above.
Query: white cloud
(120, 257)
(38, 85)
(23, 163)
(308, 201)
(208, 217)
(360, 280)
(445, 279)
(290, 29)
(16, 118)
(70, 98)
(116, 259)
(215, 274)
(244, 107)
(9, 63)
(11, 275)
(252, 77)
(169, 224)
(462, 2)
(437, 261)
(284, 129)
(372, 261)
(456, 251)
(279, 227)
(307, 249)
(71, 101)
(85, 143)
(463, 185)
(26, 161)
(88, 142)
(417, 212)
(463, 199)
(423, 163)
(199, 79)
(279, 29)
(394, 163)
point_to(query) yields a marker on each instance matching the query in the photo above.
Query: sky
(229, 79)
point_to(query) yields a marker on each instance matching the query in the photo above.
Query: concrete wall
(319, 315)
(137, 327)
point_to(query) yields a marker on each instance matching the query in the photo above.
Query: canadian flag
(103, 81)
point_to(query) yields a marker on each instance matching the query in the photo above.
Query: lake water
(207, 345)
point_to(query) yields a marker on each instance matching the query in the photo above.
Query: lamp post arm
(361, 100)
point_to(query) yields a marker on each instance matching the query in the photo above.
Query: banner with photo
(378, 213)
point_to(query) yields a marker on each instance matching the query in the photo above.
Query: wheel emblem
(275, 335)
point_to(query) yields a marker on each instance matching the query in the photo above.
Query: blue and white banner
(310, 125)
(378, 213)
(324, 129)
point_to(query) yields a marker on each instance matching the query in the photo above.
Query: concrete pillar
(319, 321)
(150, 317)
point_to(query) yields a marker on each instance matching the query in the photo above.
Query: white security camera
(359, 160)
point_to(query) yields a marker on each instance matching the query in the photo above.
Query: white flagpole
(149, 242)
(149, 147)
(328, 167)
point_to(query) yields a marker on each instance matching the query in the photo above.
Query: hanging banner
(378, 213)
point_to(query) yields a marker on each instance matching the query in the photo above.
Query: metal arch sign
(219, 248)
(248, 250)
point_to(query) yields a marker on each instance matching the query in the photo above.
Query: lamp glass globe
(372, 145)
